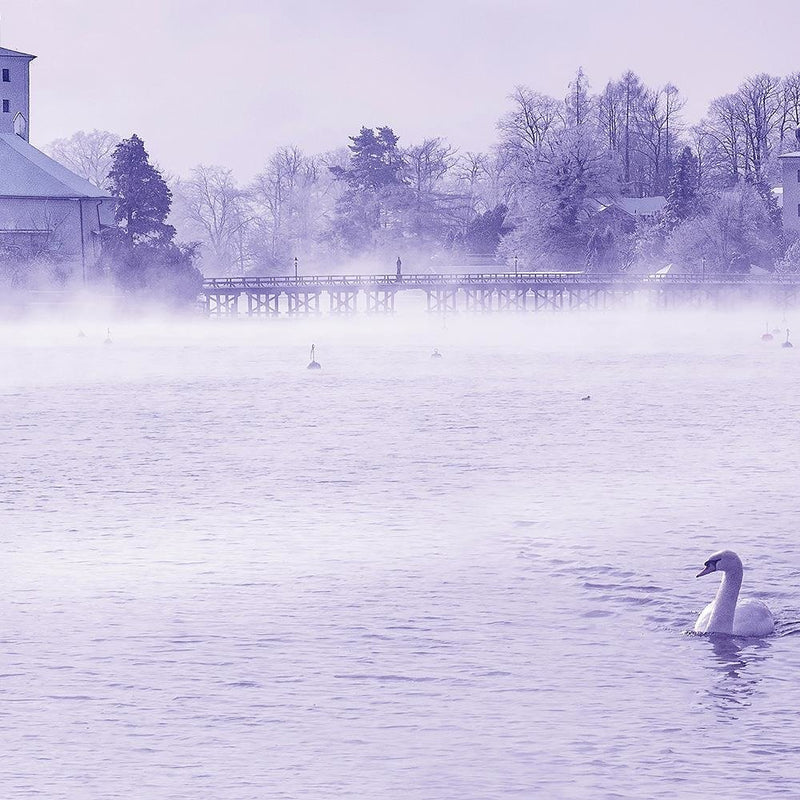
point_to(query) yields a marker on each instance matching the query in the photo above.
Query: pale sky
(228, 82)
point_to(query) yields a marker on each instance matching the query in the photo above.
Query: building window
(6, 106)
(798, 209)
(6, 76)
(798, 176)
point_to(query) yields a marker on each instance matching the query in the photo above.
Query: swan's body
(787, 343)
(766, 337)
(725, 614)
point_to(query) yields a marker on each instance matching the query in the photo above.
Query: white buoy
(314, 364)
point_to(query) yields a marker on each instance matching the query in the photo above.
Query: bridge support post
(380, 300)
(303, 302)
(223, 304)
(478, 298)
(263, 304)
(512, 299)
(343, 301)
(442, 299)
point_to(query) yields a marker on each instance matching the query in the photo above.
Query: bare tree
(86, 154)
(433, 207)
(525, 128)
(619, 110)
(292, 196)
(673, 105)
(217, 210)
(578, 102)
(744, 130)
(760, 118)
(790, 108)
(657, 125)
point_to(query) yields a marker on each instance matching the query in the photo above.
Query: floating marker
(314, 364)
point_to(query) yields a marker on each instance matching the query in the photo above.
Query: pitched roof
(27, 172)
(5, 52)
(634, 206)
(644, 206)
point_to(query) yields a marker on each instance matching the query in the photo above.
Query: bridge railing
(422, 280)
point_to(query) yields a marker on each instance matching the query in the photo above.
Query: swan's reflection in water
(736, 664)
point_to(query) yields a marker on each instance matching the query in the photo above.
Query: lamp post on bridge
(295, 267)
(703, 262)
(515, 266)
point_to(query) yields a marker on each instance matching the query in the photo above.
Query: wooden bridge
(486, 292)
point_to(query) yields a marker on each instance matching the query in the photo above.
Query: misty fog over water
(396, 577)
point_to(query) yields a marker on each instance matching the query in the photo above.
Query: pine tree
(140, 251)
(143, 197)
(369, 213)
(486, 230)
(683, 201)
(375, 162)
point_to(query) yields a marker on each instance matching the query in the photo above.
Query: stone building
(45, 209)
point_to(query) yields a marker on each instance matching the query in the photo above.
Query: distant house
(44, 207)
(630, 208)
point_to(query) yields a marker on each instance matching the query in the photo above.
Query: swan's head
(723, 561)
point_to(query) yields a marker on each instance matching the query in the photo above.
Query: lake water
(226, 576)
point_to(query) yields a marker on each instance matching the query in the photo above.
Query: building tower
(791, 190)
(15, 94)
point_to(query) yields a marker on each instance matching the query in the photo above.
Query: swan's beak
(712, 567)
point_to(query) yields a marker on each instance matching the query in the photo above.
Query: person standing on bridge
(399, 269)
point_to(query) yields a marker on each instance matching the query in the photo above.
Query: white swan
(724, 614)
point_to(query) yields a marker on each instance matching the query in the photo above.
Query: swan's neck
(725, 602)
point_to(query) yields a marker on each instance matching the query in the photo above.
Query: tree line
(546, 195)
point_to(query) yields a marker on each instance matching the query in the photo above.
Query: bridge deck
(427, 280)
(494, 291)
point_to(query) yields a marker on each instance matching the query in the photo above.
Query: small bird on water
(436, 353)
(588, 397)
(314, 364)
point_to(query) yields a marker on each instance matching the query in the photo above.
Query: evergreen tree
(140, 250)
(486, 230)
(683, 201)
(375, 162)
(143, 197)
(369, 213)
